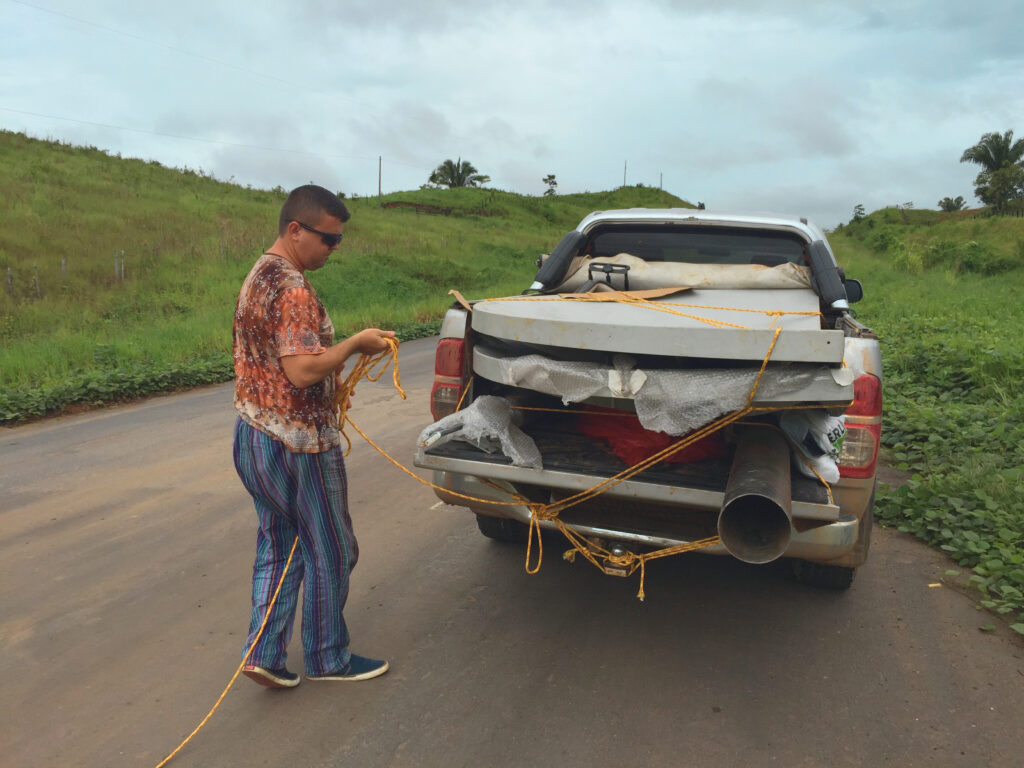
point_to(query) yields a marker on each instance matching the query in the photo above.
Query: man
(286, 446)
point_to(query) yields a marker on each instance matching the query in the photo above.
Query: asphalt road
(126, 545)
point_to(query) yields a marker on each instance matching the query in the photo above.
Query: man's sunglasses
(331, 240)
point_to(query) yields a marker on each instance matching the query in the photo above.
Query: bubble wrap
(674, 402)
(486, 424)
(678, 402)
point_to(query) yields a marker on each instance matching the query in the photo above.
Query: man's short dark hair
(308, 203)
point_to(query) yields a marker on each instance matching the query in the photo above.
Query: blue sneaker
(272, 678)
(358, 668)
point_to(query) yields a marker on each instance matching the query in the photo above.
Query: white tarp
(645, 275)
(674, 402)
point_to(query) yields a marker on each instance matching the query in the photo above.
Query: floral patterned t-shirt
(279, 314)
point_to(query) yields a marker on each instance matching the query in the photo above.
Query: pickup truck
(643, 326)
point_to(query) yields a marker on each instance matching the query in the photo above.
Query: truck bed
(570, 452)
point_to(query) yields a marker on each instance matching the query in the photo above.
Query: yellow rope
(551, 512)
(465, 391)
(365, 368)
(797, 452)
(245, 658)
(625, 297)
(573, 411)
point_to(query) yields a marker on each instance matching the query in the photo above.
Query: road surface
(126, 545)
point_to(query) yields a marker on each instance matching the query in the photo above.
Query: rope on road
(241, 666)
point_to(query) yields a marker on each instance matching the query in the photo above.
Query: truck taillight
(859, 455)
(449, 362)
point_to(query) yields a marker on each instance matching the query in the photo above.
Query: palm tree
(994, 152)
(950, 204)
(1001, 178)
(458, 174)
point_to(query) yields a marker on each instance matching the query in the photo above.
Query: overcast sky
(796, 107)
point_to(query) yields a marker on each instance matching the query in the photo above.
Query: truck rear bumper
(819, 533)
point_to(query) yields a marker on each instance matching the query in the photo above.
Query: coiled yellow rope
(366, 368)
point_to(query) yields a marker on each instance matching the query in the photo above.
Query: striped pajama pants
(304, 495)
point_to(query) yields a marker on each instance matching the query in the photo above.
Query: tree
(1001, 178)
(457, 174)
(858, 212)
(949, 204)
(1000, 188)
(550, 181)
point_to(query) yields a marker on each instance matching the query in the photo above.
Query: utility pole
(661, 180)
(380, 161)
(624, 164)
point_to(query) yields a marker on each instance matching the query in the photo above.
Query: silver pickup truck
(643, 326)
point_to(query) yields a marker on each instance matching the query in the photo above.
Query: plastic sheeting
(674, 402)
(819, 438)
(486, 424)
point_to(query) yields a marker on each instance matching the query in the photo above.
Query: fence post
(63, 265)
(35, 272)
(10, 282)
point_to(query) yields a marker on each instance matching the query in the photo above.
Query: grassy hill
(943, 291)
(120, 276)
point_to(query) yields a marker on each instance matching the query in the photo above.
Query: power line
(205, 141)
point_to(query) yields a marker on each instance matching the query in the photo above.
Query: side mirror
(854, 290)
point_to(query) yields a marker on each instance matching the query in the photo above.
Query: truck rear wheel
(838, 576)
(501, 529)
(819, 575)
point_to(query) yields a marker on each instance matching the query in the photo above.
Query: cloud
(813, 107)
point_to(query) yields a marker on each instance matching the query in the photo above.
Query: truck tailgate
(636, 329)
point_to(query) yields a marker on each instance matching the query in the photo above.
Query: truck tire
(501, 529)
(836, 577)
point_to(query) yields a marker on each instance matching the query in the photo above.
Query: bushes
(109, 385)
(970, 256)
(916, 246)
(954, 406)
(121, 381)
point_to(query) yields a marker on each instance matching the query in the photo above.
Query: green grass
(943, 291)
(72, 330)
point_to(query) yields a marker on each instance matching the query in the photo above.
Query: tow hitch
(613, 565)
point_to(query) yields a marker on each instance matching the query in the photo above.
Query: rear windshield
(697, 245)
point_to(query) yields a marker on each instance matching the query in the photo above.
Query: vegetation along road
(124, 580)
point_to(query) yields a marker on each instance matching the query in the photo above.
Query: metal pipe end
(754, 529)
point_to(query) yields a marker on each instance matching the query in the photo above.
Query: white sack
(486, 424)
